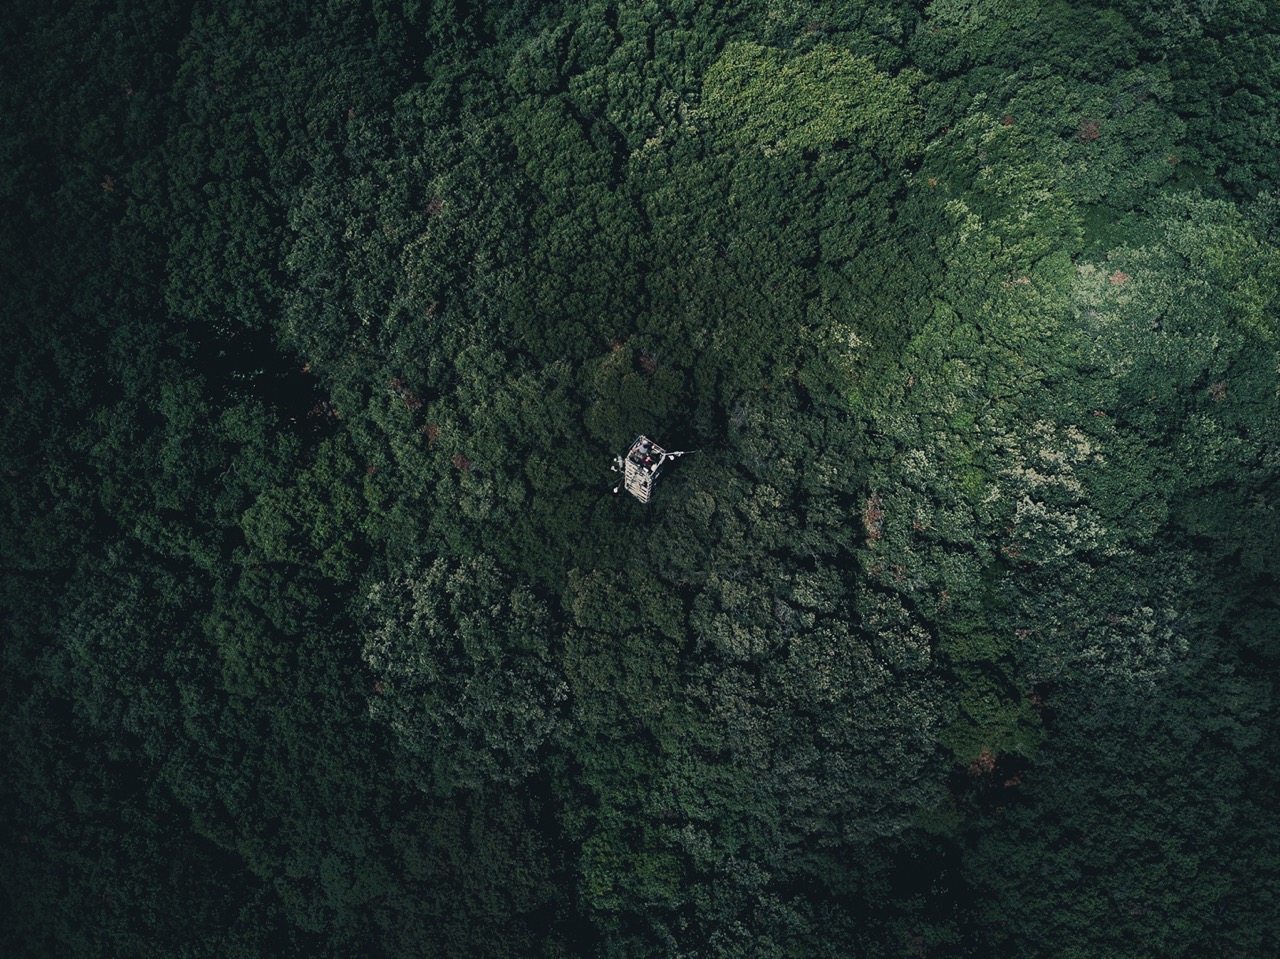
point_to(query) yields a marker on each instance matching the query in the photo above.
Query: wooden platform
(641, 465)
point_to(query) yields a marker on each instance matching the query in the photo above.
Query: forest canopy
(956, 635)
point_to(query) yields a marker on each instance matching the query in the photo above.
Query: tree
(465, 673)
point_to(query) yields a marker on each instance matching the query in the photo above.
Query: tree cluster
(957, 636)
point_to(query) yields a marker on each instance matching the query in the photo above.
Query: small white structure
(640, 466)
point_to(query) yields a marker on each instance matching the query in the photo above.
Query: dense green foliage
(958, 636)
